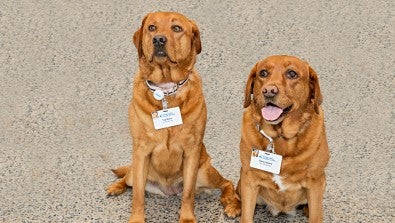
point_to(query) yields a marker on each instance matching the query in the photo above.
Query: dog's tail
(121, 171)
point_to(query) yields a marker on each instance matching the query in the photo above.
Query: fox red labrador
(283, 147)
(167, 117)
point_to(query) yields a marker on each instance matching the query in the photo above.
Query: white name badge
(266, 161)
(166, 118)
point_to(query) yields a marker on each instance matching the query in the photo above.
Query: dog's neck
(168, 70)
(164, 72)
(168, 88)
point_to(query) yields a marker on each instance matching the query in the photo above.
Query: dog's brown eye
(151, 28)
(176, 28)
(263, 73)
(292, 74)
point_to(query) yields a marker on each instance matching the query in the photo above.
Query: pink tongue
(271, 113)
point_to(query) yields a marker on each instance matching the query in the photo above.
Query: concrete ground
(66, 72)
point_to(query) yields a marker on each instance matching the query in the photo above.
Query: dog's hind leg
(120, 185)
(121, 171)
(209, 177)
(117, 188)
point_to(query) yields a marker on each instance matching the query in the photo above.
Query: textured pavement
(66, 72)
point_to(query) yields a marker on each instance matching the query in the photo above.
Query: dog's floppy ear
(138, 38)
(249, 87)
(315, 91)
(196, 42)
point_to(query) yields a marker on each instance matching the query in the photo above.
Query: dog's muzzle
(159, 44)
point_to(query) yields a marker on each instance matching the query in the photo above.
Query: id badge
(166, 118)
(269, 162)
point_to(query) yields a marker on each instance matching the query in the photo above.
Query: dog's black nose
(159, 40)
(270, 91)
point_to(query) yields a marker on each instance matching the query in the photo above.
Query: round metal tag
(159, 95)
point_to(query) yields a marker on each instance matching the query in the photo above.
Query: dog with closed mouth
(284, 120)
(167, 117)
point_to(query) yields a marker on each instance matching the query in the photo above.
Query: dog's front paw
(228, 197)
(136, 220)
(188, 220)
(232, 205)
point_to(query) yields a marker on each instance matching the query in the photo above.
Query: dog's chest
(167, 159)
(277, 179)
(284, 185)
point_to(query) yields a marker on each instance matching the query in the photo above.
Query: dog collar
(167, 88)
(270, 146)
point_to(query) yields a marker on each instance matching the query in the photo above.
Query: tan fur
(164, 158)
(299, 137)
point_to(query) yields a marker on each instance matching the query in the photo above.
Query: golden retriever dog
(167, 117)
(283, 147)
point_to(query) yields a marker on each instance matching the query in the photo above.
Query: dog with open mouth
(283, 147)
(167, 118)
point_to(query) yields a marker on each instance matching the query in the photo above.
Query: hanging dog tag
(167, 118)
(159, 95)
(266, 161)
